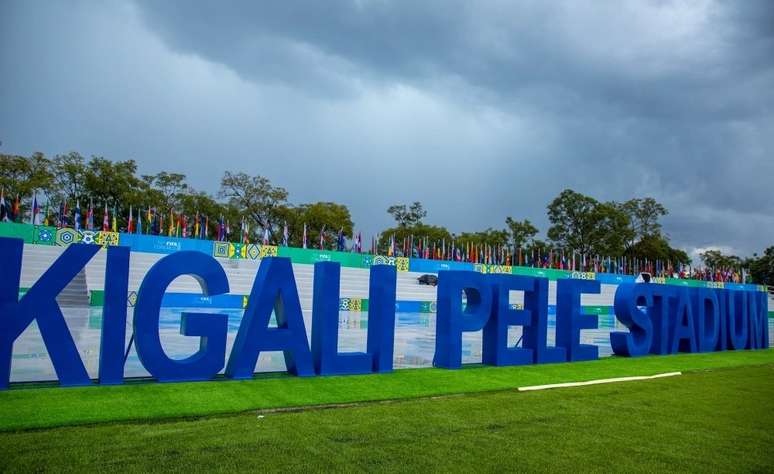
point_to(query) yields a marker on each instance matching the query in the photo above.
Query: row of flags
(150, 221)
(535, 257)
(10, 212)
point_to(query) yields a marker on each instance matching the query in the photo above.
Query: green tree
(262, 203)
(716, 259)
(23, 176)
(583, 224)
(491, 237)
(317, 216)
(416, 232)
(407, 216)
(169, 187)
(522, 232)
(537, 247)
(644, 215)
(69, 177)
(762, 268)
(656, 247)
(192, 202)
(115, 184)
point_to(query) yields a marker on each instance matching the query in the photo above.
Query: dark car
(428, 279)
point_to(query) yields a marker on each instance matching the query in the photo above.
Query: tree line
(578, 224)
(72, 179)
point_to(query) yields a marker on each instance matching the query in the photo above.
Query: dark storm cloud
(479, 109)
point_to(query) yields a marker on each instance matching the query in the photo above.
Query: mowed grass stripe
(704, 421)
(25, 408)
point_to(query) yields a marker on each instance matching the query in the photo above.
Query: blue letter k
(39, 304)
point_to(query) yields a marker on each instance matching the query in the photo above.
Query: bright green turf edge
(26, 408)
(717, 420)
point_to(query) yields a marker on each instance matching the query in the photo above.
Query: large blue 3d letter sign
(659, 318)
(665, 320)
(274, 289)
(628, 300)
(39, 304)
(112, 345)
(569, 320)
(495, 349)
(325, 323)
(452, 320)
(211, 328)
(488, 307)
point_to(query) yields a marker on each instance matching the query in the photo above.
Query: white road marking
(598, 381)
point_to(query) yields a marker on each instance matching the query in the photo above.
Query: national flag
(130, 221)
(322, 238)
(139, 221)
(45, 217)
(105, 219)
(206, 227)
(35, 210)
(304, 243)
(340, 240)
(3, 207)
(90, 216)
(77, 216)
(171, 230)
(62, 214)
(221, 229)
(265, 236)
(16, 209)
(196, 226)
(285, 235)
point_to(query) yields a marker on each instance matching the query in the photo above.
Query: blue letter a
(274, 288)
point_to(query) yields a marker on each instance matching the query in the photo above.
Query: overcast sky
(478, 109)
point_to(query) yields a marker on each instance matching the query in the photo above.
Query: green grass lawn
(23, 407)
(717, 420)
